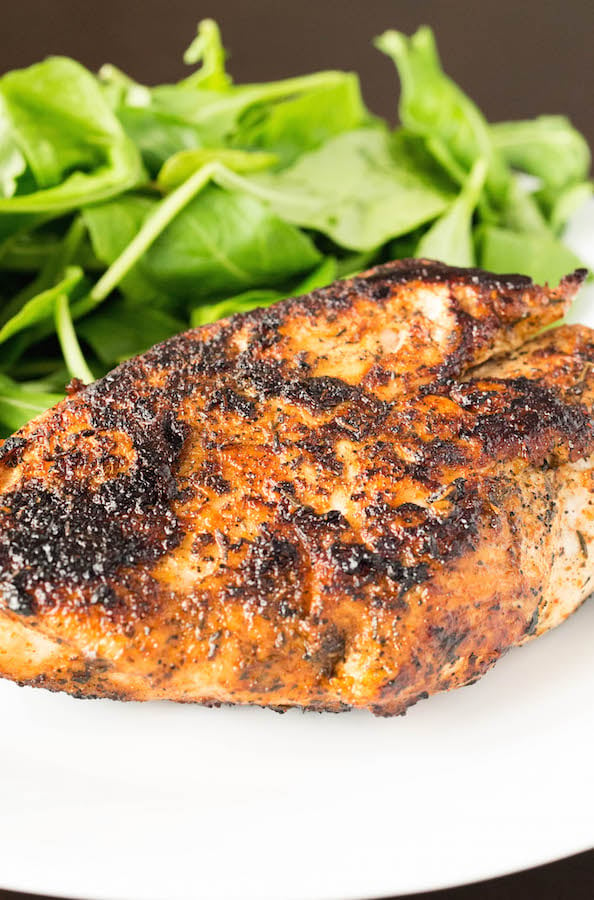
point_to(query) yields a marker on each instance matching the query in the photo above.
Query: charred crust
(320, 443)
(86, 538)
(310, 523)
(210, 476)
(11, 451)
(15, 599)
(411, 531)
(394, 686)
(271, 576)
(432, 271)
(78, 536)
(232, 401)
(91, 670)
(74, 386)
(524, 419)
(575, 279)
(105, 595)
(356, 565)
(264, 377)
(319, 394)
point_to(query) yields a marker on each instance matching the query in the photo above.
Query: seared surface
(338, 501)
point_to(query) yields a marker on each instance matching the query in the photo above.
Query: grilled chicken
(354, 498)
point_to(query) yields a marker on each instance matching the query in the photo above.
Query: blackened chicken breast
(354, 498)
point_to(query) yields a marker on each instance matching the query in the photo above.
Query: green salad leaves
(128, 213)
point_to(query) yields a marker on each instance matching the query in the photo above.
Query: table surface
(569, 879)
(516, 59)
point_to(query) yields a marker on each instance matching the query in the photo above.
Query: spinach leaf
(222, 241)
(521, 211)
(350, 264)
(559, 205)
(450, 239)
(30, 252)
(12, 162)
(20, 403)
(324, 274)
(243, 302)
(51, 271)
(207, 48)
(304, 122)
(353, 189)
(75, 150)
(226, 241)
(40, 309)
(548, 147)
(539, 255)
(73, 357)
(181, 165)
(435, 108)
(112, 227)
(284, 116)
(117, 331)
(218, 114)
(41, 373)
(157, 134)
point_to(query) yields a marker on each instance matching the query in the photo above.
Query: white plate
(125, 801)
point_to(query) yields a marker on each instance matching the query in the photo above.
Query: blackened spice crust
(81, 536)
(11, 451)
(292, 505)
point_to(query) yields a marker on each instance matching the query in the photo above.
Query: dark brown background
(517, 58)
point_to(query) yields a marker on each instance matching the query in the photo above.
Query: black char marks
(524, 418)
(411, 532)
(11, 451)
(356, 565)
(310, 525)
(269, 378)
(372, 283)
(69, 533)
(232, 401)
(435, 272)
(319, 393)
(272, 576)
(77, 535)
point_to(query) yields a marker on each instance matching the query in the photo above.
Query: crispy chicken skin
(354, 498)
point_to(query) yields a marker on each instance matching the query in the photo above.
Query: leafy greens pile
(128, 212)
